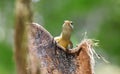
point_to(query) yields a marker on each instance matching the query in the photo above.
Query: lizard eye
(71, 24)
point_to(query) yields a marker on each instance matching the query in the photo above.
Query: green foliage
(6, 59)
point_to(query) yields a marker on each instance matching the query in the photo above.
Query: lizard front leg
(71, 45)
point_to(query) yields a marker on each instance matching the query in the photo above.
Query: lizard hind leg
(61, 47)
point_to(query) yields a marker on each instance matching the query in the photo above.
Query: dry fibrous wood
(46, 57)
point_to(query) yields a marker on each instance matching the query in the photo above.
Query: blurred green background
(99, 18)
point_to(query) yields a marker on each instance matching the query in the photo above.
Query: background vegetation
(99, 18)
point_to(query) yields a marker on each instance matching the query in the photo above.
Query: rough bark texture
(45, 57)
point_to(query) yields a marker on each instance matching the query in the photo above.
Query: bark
(23, 18)
(46, 57)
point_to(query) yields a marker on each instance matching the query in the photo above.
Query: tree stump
(45, 57)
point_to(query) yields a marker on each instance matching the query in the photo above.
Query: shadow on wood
(45, 57)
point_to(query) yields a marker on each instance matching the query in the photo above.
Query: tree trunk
(23, 18)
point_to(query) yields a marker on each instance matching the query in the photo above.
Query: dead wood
(45, 57)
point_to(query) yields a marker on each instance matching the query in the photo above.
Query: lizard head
(68, 25)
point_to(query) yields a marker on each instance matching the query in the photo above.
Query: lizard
(64, 39)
